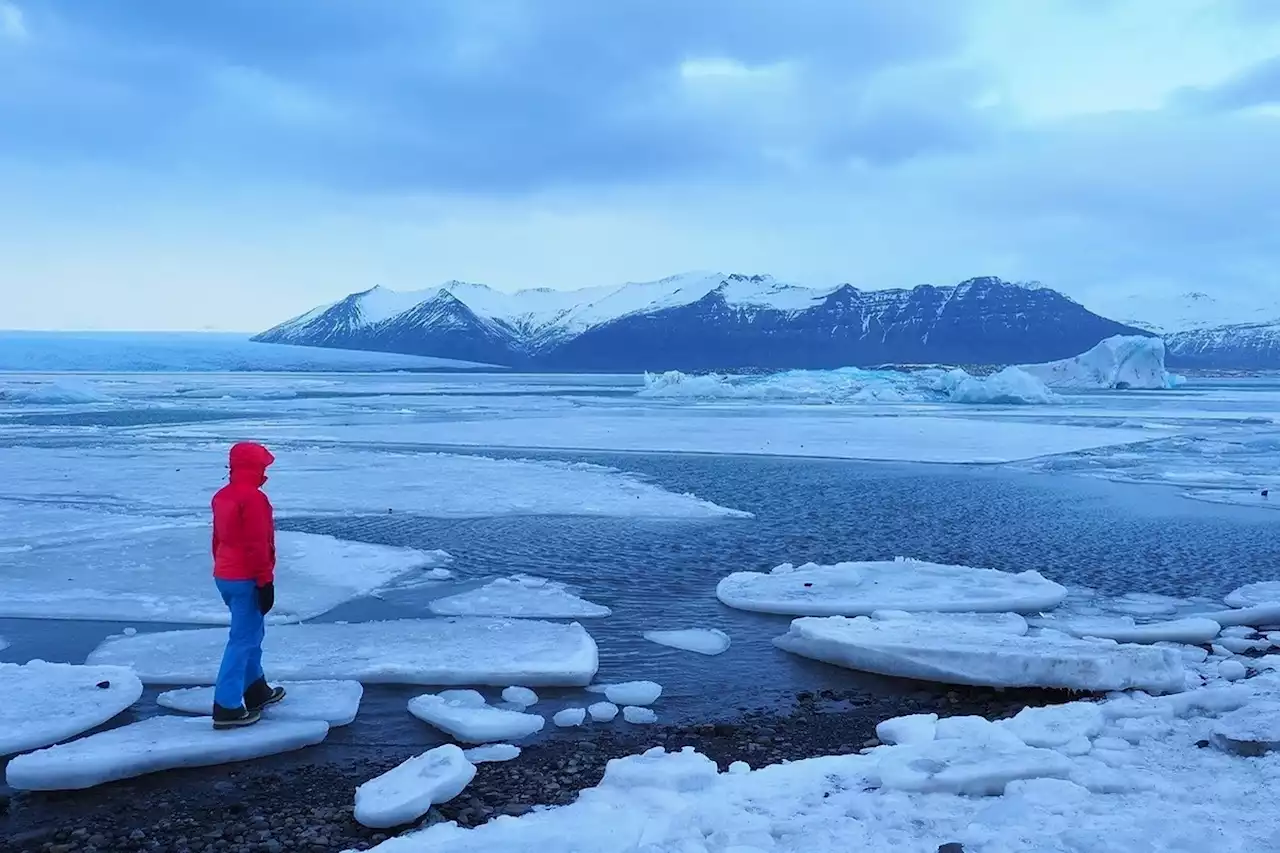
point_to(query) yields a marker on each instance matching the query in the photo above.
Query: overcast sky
(228, 164)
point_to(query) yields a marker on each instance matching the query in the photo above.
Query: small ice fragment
(603, 712)
(405, 793)
(1239, 631)
(492, 753)
(522, 696)
(474, 724)
(639, 716)
(916, 728)
(1232, 670)
(130, 631)
(704, 641)
(570, 717)
(634, 693)
(739, 768)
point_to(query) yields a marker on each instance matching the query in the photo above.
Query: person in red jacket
(244, 562)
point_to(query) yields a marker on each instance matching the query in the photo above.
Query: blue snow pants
(242, 660)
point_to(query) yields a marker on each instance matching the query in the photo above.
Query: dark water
(659, 575)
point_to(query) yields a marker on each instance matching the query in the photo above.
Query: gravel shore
(303, 801)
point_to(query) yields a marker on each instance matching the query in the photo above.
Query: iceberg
(150, 746)
(520, 596)
(1118, 362)
(951, 652)
(44, 703)
(493, 652)
(405, 793)
(860, 589)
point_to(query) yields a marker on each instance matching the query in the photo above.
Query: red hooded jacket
(244, 536)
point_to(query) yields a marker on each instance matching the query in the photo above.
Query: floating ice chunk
(1122, 361)
(956, 654)
(1055, 726)
(470, 723)
(853, 589)
(570, 717)
(160, 743)
(1254, 594)
(1122, 629)
(405, 793)
(335, 702)
(493, 652)
(958, 767)
(492, 753)
(44, 703)
(522, 597)
(639, 716)
(160, 575)
(633, 693)
(1239, 645)
(1260, 616)
(439, 574)
(1010, 386)
(1251, 731)
(704, 641)
(521, 696)
(916, 728)
(1242, 631)
(603, 712)
(1232, 670)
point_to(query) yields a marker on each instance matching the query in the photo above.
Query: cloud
(1255, 86)
(12, 24)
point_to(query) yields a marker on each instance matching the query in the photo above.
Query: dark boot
(234, 718)
(260, 694)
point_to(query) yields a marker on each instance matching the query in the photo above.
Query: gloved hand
(267, 597)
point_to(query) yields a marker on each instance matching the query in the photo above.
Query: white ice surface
(1255, 594)
(335, 702)
(1167, 795)
(493, 753)
(520, 696)
(63, 391)
(472, 723)
(633, 693)
(704, 641)
(570, 717)
(858, 589)
(787, 432)
(1260, 616)
(915, 728)
(519, 596)
(405, 793)
(602, 712)
(492, 652)
(1123, 629)
(1257, 724)
(638, 716)
(44, 703)
(1232, 670)
(149, 746)
(164, 575)
(1057, 725)
(952, 653)
(1117, 362)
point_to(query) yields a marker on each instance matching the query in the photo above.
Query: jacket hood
(249, 462)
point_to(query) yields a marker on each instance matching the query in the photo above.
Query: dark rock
(104, 685)
(951, 847)
(516, 809)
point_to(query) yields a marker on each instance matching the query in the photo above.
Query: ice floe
(472, 722)
(149, 746)
(1124, 630)
(938, 649)
(162, 575)
(493, 652)
(858, 589)
(335, 702)
(1254, 595)
(519, 596)
(704, 641)
(405, 793)
(44, 703)
(633, 693)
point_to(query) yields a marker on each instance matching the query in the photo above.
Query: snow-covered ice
(938, 649)
(52, 393)
(1123, 629)
(472, 723)
(335, 702)
(1254, 595)
(405, 793)
(1232, 670)
(1239, 645)
(1116, 363)
(492, 753)
(519, 596)
(638, 716)
(1165, 794)
(704, 641)
(162, 575)
(149, 746)
(602, 712)
(915, 728)
(493, 652)
(1250, 731)
(1259, 616)
(633, 693)
(522, 696)
(44, 703)
(858, 589)
(570, 717)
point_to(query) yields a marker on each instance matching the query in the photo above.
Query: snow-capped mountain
(699, 321)
(1247, 346)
